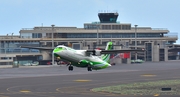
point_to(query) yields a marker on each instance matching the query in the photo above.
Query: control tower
(108, 17)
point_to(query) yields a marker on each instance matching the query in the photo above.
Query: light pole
(135, 41)
(12, 35)
(52, 36)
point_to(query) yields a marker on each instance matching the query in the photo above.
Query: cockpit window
(58, 49)
(64, 48)
(61, 48)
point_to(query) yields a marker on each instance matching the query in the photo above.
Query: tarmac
(57, 81)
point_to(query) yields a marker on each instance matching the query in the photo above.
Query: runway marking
(3, 96)
(82, 80)
(24, 91)
(148, 75)
(84, 91)
(75, 87)
(156, 95)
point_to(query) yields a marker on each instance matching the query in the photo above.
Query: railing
(50, 29)
(27, 28)
(159, 29)
(20, 52)
(17, 50)
(72, 38)
(9, 37)
(171, 35)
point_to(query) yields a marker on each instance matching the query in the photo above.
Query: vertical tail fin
(106, 57)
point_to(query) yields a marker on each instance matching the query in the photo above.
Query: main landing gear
(89, 68)
(70, 68)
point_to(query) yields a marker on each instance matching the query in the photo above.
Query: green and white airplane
(90, 59)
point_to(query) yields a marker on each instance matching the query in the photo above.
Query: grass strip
(143, 88)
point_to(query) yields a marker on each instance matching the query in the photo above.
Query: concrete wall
(85, 48)
(155, 55)
(117, 61)
(117, 47)
(46, 55)
(128, 61)
(26, 35)
(165, 54)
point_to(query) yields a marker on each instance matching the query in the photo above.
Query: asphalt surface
(57, 81)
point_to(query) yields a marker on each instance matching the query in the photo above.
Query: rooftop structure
(108, 17)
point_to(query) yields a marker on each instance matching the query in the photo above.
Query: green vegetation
(143, 88)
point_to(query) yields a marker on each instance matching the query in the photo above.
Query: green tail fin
(106, 57)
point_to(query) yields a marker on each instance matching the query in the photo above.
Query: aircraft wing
(40, 48)
(99, 52)
(121, 51)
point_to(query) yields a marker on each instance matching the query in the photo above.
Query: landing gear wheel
(89, 68)
(70, 68)
(58, 63)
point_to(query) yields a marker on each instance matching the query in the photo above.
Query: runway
(56, 81)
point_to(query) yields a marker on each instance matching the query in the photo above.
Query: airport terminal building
(159, 44)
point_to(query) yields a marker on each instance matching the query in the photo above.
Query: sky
(18, 14)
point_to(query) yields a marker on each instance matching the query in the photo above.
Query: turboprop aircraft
(90, 59)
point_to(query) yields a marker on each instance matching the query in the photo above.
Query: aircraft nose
(56, 51)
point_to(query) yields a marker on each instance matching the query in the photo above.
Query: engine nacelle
(98, 52)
